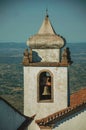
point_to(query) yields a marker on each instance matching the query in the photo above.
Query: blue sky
(19, 19)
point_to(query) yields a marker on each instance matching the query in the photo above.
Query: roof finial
(46, 12)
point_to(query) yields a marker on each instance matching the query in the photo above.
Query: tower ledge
(47, 64)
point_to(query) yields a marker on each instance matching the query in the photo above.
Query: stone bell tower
(45, 73)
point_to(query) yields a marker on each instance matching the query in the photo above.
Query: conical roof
(46, 37)
(46, 27)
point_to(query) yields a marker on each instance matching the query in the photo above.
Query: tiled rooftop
(78, 97)
(77, 102)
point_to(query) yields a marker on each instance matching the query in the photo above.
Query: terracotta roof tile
(78, 97)
(78, 101)
(60, 114)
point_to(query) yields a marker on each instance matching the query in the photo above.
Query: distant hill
(78, 52)
(13, 52)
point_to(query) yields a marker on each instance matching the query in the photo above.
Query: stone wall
(46, 55)
(60, 94)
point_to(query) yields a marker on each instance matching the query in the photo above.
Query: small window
(45, 86)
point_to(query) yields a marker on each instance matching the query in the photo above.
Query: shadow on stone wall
(36, 57)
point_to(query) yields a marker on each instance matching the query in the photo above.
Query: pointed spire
(46, 36)
(46, 27)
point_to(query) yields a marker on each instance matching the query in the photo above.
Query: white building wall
(48, 55)
(77, 122)
(31, 106)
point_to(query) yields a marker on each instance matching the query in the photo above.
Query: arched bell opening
(45, 86)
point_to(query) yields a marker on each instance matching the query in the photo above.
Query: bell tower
(45, 73)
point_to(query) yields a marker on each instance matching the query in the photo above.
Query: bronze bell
(46, 91)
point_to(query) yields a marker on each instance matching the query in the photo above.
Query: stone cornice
(47, 64)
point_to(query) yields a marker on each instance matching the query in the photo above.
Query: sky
(20, 19)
